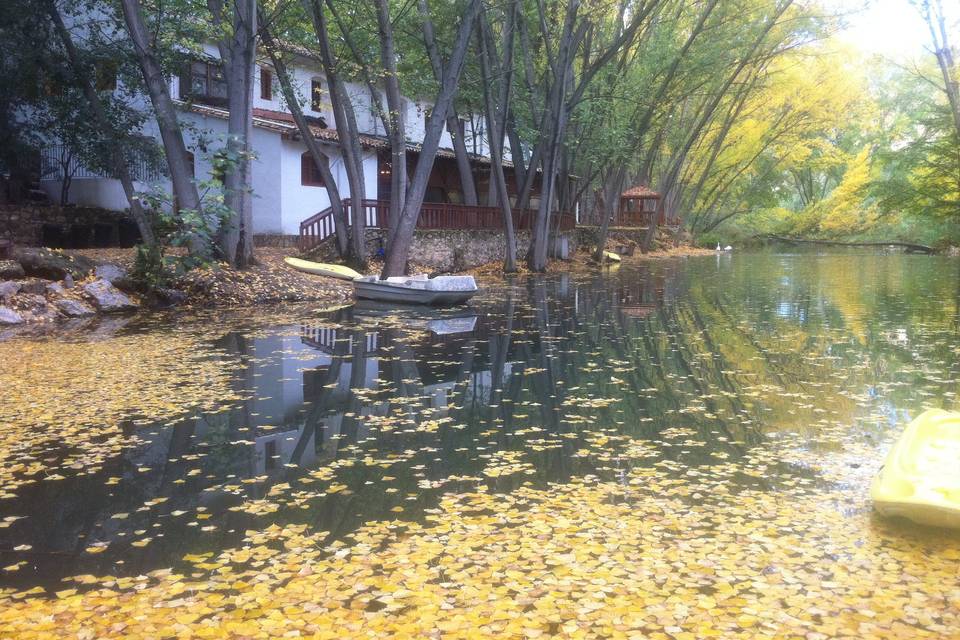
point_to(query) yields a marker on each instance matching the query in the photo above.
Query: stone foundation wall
(446, 251)
(73, 227)
(451, 251)
(274, 240)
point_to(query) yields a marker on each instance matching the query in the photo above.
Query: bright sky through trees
(891, 28)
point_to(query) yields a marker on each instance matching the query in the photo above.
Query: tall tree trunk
(103, 123)
(347, 131)
(399, 248)
(609, 204)
(313, 147)
(467, 182)
(555, 114)
(178, 161)
(397, 131)
(494, 134)
(238, 51)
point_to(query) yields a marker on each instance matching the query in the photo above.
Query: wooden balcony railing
(319, 227)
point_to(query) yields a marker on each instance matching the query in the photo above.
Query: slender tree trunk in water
(453, 122)
(238, 51)
(397, 132)
(313, 147)
(609, 205)
(178, 162)
(537, 253)
(347, 130)
(103, 123)
(555, 116)
(399, 247)
(494, 133)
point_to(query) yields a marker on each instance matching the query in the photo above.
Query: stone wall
(70, 227)
(451, 251)
(275, 240)
(446, 251)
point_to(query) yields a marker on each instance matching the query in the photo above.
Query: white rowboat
(419, 289)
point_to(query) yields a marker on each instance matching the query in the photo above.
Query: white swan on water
(726, 248)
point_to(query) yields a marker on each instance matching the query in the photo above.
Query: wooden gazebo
(638, 206)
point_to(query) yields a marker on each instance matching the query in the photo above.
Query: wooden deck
(433, 215)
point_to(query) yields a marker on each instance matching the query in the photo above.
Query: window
(316, 95)
(649, 205)
(309, 173)
(204, 82)
(266, 84)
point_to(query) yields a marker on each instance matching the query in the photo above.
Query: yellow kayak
(920, 479)
(611, 256)
(321, 269)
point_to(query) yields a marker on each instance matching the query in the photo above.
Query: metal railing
(58, 161)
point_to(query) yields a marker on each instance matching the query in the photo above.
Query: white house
(287, 188)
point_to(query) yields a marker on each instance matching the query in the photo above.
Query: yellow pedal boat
(920, 479)
(321, 269)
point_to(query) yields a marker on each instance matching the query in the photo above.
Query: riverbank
(583, 260)
(41, 286)
(45, 286)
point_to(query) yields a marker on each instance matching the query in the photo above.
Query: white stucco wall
(302, 201)
(266, 168)
(91, 192)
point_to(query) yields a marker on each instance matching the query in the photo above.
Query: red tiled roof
(640, 191)
(282, 123)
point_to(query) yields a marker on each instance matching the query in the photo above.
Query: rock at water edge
(115, 275)
(74, 308)
(11, 270)
(8, 289)
(107, 297)
(9, 316)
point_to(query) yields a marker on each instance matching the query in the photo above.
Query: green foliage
(188, 229)
(150, 270)
(919, 154)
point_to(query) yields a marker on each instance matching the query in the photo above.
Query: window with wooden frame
(204, 82)
(266, 84)
(316, 94)
(310, 175)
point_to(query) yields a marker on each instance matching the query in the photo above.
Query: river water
(776, 380)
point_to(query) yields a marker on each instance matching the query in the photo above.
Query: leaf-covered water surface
(681, 450)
